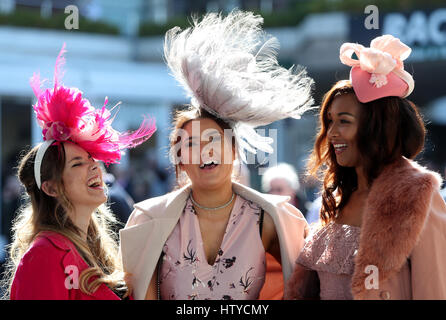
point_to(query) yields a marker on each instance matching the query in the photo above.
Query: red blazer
(48, 271)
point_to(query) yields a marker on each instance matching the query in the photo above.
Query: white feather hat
(228, 66)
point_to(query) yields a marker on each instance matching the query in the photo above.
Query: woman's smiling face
(82, 178)
(343, 121)
(206, 154)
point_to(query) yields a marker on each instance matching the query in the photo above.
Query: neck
(213, 198)
(363, 185)
(81, 218)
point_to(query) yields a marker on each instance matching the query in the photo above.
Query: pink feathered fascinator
(64, 115)
(379, 71)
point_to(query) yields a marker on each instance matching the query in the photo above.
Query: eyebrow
(342, 114)
(75, 158)
(345, 114)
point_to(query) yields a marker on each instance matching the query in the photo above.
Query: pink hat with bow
(379, 71)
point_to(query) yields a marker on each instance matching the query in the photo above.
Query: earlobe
(49, 189)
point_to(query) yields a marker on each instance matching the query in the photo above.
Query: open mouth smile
(95, 183)
(339, 147)
(209, 165)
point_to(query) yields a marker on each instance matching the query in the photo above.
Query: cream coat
(152, 221)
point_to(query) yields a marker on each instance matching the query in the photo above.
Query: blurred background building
(117, 52)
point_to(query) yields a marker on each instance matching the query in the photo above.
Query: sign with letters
(423, 31)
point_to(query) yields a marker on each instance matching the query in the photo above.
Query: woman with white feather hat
(208, 238)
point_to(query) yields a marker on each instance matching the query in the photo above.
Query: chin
(97, 201)
(344, 163)
(211, 184)
(103, 199)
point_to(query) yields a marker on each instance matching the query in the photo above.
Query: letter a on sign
(72, 21)
(371, 21)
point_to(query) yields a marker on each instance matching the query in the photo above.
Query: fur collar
(395, 212)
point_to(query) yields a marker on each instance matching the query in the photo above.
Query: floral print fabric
(238, 272)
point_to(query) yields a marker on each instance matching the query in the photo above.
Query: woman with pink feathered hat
(63, 247)
(383, 221)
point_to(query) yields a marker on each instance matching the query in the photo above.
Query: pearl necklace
(212, 209)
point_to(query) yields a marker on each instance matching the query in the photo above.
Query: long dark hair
(389, 128)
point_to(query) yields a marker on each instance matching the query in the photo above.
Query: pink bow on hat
(379, 71)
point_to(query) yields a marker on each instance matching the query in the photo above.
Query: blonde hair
(44, 213)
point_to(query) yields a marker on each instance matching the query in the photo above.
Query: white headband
(38, 161)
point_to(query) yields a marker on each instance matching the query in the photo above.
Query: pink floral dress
(238, 272)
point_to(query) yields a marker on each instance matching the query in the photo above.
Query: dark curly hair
(389, 128)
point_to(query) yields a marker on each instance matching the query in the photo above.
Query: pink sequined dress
(330, 251)
(238, 272)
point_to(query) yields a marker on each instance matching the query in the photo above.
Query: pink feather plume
(63, 114)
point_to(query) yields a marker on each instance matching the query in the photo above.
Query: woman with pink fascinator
(383, 220)
(63, 247)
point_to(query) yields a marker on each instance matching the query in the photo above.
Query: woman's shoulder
(50, 240)
(150, 204)
(406, 174)
(156, 207)
(46, 251)
(42, 271)
(271, 203)
(280, 215)
(434, 225)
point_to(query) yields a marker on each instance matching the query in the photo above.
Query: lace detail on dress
(331, 249)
